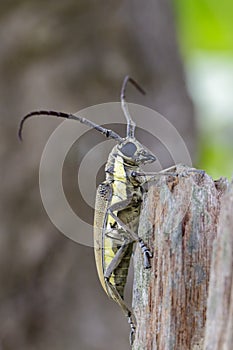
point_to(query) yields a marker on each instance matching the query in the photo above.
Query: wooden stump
(179, 222)
(219, 325)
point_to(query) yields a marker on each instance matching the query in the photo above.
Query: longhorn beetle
(118, 202)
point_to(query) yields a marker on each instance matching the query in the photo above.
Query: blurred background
(68, 55)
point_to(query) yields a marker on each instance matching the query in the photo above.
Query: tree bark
(179, 222)
(219, 325)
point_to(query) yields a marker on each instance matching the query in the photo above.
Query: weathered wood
(179, 221)
(219, 325)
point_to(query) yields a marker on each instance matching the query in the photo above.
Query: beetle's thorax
(118, 170)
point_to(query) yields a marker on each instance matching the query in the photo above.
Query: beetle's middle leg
(130, 234)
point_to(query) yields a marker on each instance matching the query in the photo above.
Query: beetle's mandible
(118, 202)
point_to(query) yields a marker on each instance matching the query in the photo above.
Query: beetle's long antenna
(130, 123)
(107, 132)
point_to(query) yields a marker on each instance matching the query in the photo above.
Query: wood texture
(219, 326)
(179, 221)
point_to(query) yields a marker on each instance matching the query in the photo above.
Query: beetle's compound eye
(129, 149)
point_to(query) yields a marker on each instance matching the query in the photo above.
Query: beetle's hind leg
(127, 312)
(112, 289)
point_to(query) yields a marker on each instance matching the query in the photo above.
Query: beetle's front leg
(143, 178)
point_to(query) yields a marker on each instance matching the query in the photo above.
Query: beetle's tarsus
(147, 254)
(132, 336)
(188, 171)
(133, 329)
(147, 264)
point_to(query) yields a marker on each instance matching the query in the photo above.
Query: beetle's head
(134, 153)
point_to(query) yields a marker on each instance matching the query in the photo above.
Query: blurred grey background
(68, 55)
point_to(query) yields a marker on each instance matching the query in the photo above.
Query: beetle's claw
(132, 331)
(150, 253)
(147, 255)
(132, 336)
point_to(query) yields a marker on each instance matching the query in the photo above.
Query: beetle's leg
(127, 312)
(143, 178)
(149, 177)
(184, 173)
(113, 292)
(130, 233)
(117, 258)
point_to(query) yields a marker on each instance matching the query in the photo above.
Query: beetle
(118, 203)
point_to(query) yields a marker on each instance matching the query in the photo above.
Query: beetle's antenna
(130, 123)
(107, 132)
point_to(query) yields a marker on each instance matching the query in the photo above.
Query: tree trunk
(219, 326)
(179, 222)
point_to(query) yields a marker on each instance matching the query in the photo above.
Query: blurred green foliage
(205, 25)
(215, 158)
(205, 28)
